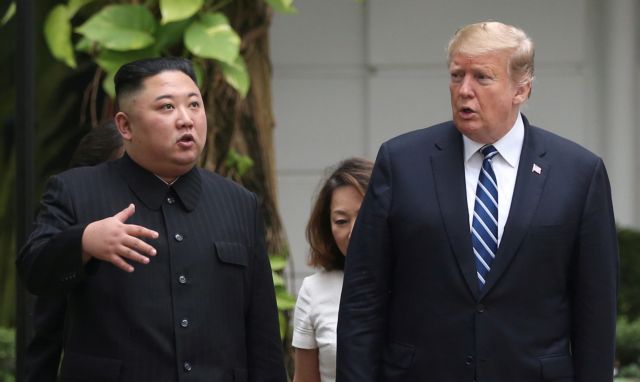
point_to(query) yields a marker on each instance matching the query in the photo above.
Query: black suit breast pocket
(232, 254)
(230, 264)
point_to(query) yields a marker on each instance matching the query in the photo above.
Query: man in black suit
(485, 249)
(200, 304)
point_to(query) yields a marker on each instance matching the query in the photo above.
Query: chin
(466, 127)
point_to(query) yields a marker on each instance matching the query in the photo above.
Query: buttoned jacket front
(203, 309)
(411, 308)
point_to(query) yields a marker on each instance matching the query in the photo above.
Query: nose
(466, 89)
(185, 120)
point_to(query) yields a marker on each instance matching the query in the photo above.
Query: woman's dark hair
(129, 77)
(324, 252)
(101, 144)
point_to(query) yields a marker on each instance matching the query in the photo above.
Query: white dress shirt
(505, 166)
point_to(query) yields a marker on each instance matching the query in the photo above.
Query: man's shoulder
(422, 138)
(87, 172)
(214, 181)
(559, 147)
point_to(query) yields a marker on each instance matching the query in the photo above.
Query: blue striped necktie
(484, 226)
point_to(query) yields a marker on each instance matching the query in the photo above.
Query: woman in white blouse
(328, 232)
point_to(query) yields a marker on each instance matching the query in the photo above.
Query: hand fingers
(124, 252)
(126, 213)
(140, 231)
(120, 263)
(131, 254)
(140, 246)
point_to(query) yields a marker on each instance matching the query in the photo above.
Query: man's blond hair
(492, 36)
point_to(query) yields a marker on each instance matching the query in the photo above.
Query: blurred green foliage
(7, 354)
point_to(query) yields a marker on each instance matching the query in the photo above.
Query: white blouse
(315, 319)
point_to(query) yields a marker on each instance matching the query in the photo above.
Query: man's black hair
(130, 76)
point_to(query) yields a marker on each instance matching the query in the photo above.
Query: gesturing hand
(114, 241)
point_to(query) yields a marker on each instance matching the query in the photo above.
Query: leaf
(199, 71)
(111, 60)
(240, 163)
(236, 75)
(277, 279)
(211, 36)
(121, 27)
(278, 263)
(108, 85)
(244, 164)
(175, 10)
(75, 5)
(284, 6)
(8, 15)
(284, 300)
(170, 34)
(84, 45)
(57, 33)
(282, 320)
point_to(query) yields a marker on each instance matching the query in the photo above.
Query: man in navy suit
(164, 264)
(485, 249)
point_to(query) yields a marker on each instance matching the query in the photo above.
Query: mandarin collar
(152, 191)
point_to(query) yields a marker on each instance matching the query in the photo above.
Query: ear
(522, 93)
(124, 125)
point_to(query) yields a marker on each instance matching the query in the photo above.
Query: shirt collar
(152, 191)
(509, 147)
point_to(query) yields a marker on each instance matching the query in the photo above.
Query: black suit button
(182, 279)
(480, 308)
(186, 366)
(179, 237)
(170, 200)
(184, 323)
(468, 360)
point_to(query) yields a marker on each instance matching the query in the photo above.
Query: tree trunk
(246, 125)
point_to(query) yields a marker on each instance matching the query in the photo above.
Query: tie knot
(489, 151)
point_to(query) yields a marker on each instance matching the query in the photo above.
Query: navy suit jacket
(411, 308)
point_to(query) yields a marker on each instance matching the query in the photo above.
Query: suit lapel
(448, 176)
(532, 175)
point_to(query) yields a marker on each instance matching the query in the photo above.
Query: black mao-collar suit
(203, 309)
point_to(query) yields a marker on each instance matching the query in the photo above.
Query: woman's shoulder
(321, 276)
(322, 281)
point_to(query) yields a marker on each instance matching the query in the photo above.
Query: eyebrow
(340, 212)
(170, 96)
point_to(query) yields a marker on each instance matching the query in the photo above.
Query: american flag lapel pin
(536, 169)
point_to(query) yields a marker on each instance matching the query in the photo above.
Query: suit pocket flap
(232, 253)
(556, 367)
(400, 355)
(84, 367)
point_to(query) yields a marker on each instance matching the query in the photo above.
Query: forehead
(173, 81)
(346, 194)
(492, 60)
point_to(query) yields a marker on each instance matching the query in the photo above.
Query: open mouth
(187, 138)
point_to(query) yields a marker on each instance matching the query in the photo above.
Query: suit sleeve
(51, 260)
(264, 347)
(362, 318)
(594, 284)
